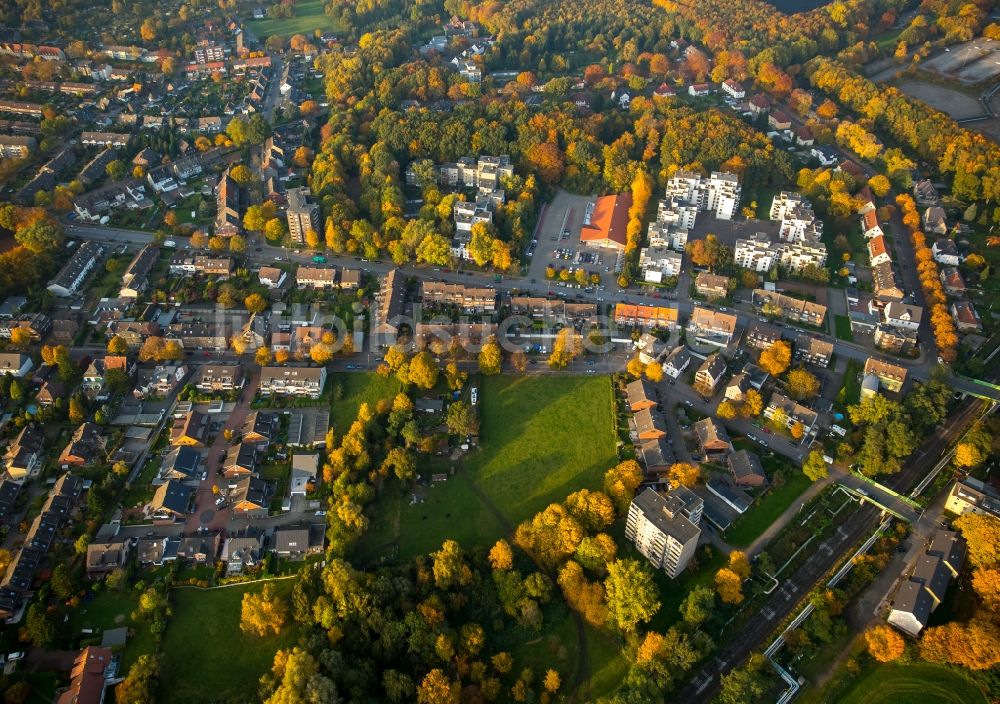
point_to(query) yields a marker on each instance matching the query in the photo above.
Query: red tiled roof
(609, 220)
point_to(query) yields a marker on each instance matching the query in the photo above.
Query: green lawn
(357, 389)
(207, 658)
(309, 16)
(850, 393)
(542, 439)
(842, 324)
(112, 609)
(763, 514)
(916, 683)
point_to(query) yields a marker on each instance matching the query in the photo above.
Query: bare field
(948, 100)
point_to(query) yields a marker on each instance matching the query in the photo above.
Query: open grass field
(309, 17)
(916, 683)
(767, 510)
(357, 389)
(207, 658)
(542, 439)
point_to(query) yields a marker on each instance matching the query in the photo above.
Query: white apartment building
(468, 213)
(719, 193)
(665, 528)
(755, 253)
(798, 221)
(659, 263)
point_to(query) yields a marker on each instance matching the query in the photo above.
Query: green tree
(138, 686)
(698, 605)
(40, 626)
(116, 170)
(40, 237)
(632, 596)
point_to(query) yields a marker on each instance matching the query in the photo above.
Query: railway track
(707, 681)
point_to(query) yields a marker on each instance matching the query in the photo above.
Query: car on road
(863, 492)
(11, 657)
(352, 366)
(320, 513)
(204, 475)
(319, 259)
(688, 404)
(591, 371)
(259, 249)
(219, 501)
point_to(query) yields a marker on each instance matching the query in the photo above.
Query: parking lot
(559, 244)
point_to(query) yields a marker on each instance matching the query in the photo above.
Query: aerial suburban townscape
(447, 352)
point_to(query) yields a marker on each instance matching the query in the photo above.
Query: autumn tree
(801, 384)
(461, 419)
(255, 303)
(654, 372)
(501, 555)
(565, 348)
(263, 612)
(729, 586)
(117, 345)
(753, 404)
(884, 643)
(635, 367)
(683, 474)
(621, 482)
(423, 370)
(490, 357)
(974, 644)
(982, 537)
(138, 686)
(775, 359)
(263, 356)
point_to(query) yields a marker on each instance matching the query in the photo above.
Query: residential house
(710, 374)
(181, 462)
(713, 441)
(925, 193)
(227, 196)
(315, 277)
(711, 286)
(737, 388)
(155, 552)
(308, 427)
(89, 677)
(877, 251)
(664, 528)
(789, 308)
(25, 453)
(965, 316)
(297, 381)
(159, 381)
(813, 350)
(388, 309)
(657, 457)
(214, 378)
(214, 335)
(297, 542)
(105, 557)
(746, 470)
(891, 376)
(651, 348)
(271, 276)
(902, 315)
(469, 299)
(85, 447)
(649, 425)
(870, 226)
(760, 335)
(74, 272)
(644, 317)
(779, 120)
(641, 395)
(780, 406)
(172, 501)
(15, 363)
(242, 459)
(896, 340)
(711, 327)
(951, 279)
(698, 90)
(921, 593)
(971, 495)
(200, 549)
(305, 472)
(260, 429)
(251, 495)
(945, 252)
(242, 552)
(190, 430)
(676, 362)
(734, 89)
(302, 215)
(934, 220)
(135, 280)
(884, 286)
(659, 263)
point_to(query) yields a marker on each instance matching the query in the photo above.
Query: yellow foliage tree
(729, 586)
(884, 643)
(263, 612)
(776, 358)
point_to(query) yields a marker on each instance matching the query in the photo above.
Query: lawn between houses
(913, 683)
(206, 657)
(542, 439)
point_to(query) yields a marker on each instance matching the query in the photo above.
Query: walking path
(779, 523)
